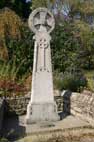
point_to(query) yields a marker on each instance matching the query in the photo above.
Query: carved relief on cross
(43, 45)
(41, 22)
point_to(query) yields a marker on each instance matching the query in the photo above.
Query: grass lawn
(62, 139)
(75, 135)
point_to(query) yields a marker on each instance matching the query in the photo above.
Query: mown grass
(60, 139)
(80, 135)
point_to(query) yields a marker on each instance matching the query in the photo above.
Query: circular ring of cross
(41, 17)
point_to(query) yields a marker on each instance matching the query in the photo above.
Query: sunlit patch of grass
(73, 135)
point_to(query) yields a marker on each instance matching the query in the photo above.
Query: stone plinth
(41, 112)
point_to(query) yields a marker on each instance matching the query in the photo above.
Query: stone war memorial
(42, 107)
(41, 112)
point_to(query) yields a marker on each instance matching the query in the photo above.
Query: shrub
(10, 88)
(64, 46)
(9, 82)
(10, 24)
(3, 140)
(21, 50)
(69, 81)
(90, 78)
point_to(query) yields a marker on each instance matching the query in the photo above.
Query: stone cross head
(41, 18)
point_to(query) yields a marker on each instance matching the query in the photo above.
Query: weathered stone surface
(41, 106)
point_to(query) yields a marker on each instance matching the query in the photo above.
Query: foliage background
(72, 42)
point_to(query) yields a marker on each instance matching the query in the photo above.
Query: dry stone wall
(16, 105)
(81, 105)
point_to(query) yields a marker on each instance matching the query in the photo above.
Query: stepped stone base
(41, 112)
